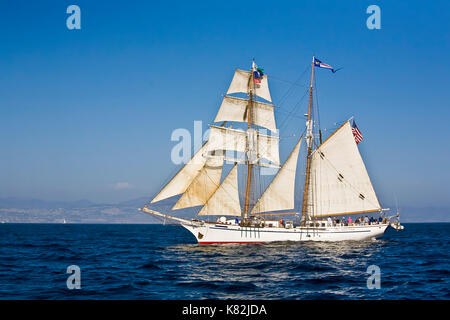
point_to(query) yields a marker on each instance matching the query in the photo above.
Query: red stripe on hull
(217, 242)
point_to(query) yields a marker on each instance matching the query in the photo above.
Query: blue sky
(82, 110)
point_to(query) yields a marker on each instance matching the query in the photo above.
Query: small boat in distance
(336, 182)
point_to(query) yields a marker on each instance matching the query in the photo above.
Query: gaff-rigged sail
(339, 182)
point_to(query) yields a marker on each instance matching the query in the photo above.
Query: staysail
(279, 195)
(203, 186)
(339, 182)
(181, 181)
(225, 200)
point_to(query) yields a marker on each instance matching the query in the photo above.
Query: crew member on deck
(330, 222)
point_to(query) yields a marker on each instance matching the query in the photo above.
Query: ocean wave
(161, 262)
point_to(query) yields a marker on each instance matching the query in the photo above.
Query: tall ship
(337, 197)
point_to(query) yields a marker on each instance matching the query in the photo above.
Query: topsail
(237, 109)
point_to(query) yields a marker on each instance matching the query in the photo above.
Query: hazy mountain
(42, 204)
(82, 211)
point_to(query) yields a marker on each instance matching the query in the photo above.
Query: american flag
(258, 73)
(356, 133)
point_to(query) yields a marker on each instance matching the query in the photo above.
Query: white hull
(210, 233)
(207, 233)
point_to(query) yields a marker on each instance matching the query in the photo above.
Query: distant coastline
(15, 210)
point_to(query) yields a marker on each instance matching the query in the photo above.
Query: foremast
(250, 151)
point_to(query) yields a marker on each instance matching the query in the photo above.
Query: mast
(309, 142)
(249, 152)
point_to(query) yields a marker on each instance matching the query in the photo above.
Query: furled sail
(266, 147)
(279, 195)
(203, 186)
(181, 181)
(225, 200)
(240, 83)
(236, 109)
(339, 181)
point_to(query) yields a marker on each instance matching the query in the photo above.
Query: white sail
(266, 147)
(279, 195)
(236, 109)
(241, 81)
(225, 201)
(181, 181)
(339, 181)
(222, 138)
(203, 186)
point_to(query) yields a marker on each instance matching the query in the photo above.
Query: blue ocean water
(164, 262)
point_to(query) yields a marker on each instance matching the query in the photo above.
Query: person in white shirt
(330, 222)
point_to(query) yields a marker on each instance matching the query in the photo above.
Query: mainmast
(309, 143)
(251, 87)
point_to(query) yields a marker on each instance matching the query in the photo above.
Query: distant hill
(42, 204)
(17, 210)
